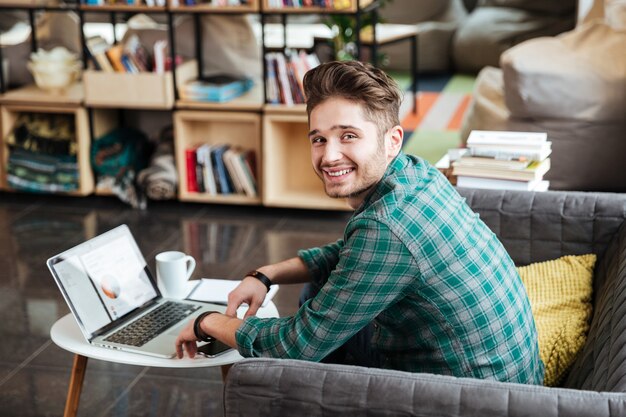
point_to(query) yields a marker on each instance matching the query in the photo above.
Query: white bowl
(58, 54)
(54, 80)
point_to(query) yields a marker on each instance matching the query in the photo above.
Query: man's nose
(332, 152)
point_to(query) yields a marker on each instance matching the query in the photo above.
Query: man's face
(346, 150)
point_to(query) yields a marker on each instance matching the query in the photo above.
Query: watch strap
(261, 277)
(197, 329)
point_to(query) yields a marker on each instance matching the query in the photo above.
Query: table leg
(76, 385)
(225, 369)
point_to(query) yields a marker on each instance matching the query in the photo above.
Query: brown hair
(365, 84)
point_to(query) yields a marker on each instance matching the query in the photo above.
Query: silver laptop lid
(104, 280)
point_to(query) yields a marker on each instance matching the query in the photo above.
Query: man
(441, 292)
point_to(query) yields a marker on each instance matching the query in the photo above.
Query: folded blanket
(160, 179)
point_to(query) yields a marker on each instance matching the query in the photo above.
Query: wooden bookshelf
(289, 179)
(238, 129)
(276, 133)
(9, 114)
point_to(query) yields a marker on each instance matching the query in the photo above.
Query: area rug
(442, 102)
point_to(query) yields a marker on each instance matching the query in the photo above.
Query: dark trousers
(358, 350)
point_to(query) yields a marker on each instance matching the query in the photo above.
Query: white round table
(66, 334)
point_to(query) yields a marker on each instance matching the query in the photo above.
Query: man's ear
(395, 136)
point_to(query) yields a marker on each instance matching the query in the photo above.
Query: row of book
(503, 160)
(284, 75)
(131, 57)
(326, 4)
(214, 3)
(150, 3)
(221, 169)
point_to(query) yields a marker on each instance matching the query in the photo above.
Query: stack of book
(504, 160)
(217, 88)
(285, 74)
(221, 169)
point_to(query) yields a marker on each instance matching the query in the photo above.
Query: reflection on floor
(226, 241)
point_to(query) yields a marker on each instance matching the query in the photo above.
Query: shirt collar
(396, 165)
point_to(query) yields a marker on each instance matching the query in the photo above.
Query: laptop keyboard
(141, 331)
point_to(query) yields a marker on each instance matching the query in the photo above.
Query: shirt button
(376, 326)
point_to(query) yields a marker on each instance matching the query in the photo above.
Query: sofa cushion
(489, 31)
(559, 292)
(601, 365)
(579, 75)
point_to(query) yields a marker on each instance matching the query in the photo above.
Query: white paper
(216, 291)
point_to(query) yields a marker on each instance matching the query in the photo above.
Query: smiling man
(417, 283)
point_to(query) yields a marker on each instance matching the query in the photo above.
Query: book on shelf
(159, 56)
(222, 178)
(96, 48)
(498, 184)
(234, 175)
(203, 158)
(534, 171)
(217, 88)
(192, 183)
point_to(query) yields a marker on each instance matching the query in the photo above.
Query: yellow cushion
(560, 297)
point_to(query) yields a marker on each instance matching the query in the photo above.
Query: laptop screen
(104, 278)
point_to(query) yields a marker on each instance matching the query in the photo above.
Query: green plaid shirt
(443, 294)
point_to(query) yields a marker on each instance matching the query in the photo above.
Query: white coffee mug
(173, 271)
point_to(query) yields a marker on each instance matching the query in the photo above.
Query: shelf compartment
(9, 115)
(135, 91)
(289, 177)
(194, 128)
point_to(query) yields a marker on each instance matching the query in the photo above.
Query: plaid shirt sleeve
(358, 289)
(321, 261)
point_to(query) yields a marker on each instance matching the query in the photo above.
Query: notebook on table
(114, 298)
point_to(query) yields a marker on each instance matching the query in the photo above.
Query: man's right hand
(251, 291)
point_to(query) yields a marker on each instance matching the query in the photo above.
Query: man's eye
(317, 140)
(349, 136)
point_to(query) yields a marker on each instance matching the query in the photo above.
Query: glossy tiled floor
(226, 241)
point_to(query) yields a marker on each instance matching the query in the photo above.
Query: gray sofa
(533, 227)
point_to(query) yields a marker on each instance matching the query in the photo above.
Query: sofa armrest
(279, 387)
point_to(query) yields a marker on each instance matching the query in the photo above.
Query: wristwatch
(197, 329)
(261, 277)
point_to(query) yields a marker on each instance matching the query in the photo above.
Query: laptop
(114, 297)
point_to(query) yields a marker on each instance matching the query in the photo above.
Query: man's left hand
(186, 341)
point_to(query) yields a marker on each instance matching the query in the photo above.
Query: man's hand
(251, 291)
(186, 340)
